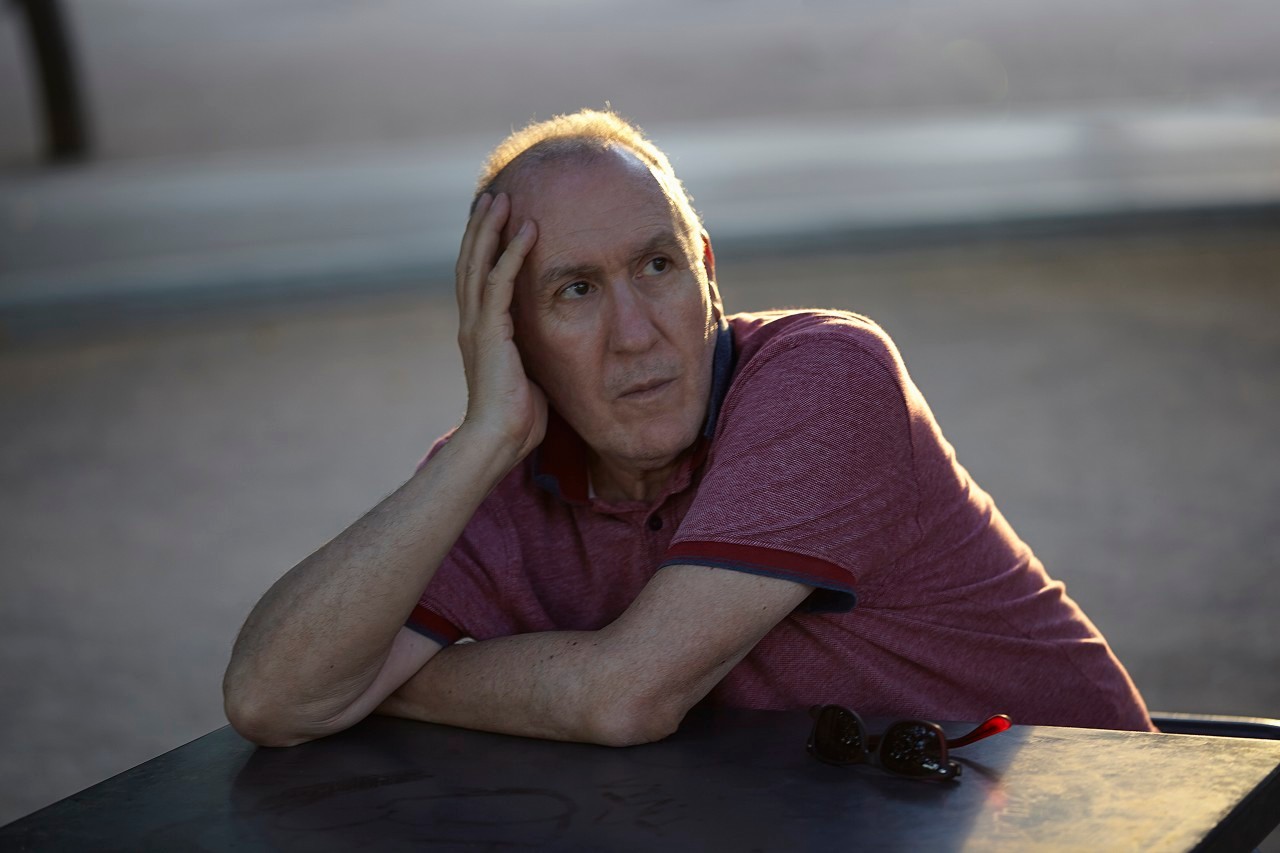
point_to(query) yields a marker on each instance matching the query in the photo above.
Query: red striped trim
(434, 625)
(752, 556)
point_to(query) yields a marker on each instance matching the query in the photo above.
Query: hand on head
(502, 402)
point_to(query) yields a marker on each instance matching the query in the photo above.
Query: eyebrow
(659, 240)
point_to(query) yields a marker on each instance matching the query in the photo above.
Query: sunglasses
(914, 748)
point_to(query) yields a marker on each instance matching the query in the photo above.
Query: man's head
(616, 307)
(581, 136)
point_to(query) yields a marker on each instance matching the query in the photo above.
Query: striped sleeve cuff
(432, 625)
(834, 587)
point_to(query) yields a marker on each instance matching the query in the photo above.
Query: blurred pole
(66, 128)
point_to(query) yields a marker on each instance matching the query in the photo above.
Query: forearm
(318, 638)
(564, 685)
(323, 637)
(630, 682)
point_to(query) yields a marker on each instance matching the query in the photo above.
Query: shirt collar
(560, 462)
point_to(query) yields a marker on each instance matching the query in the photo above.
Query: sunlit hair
(584, 135)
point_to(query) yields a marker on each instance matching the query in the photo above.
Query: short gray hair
(585, 134)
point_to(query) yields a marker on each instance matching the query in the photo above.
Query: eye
(657, 265)
(577, 290)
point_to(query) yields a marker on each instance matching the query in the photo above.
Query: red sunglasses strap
(993, 725)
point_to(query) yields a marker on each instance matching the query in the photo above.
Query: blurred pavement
(80, 243)
(254, 148)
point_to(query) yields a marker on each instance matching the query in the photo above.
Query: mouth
(646, 390)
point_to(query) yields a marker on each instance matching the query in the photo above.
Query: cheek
(546, 359)
(695, 309)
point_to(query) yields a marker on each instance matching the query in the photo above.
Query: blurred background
(227, 327)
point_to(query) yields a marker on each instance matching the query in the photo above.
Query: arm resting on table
(327, 642)
(630, 682)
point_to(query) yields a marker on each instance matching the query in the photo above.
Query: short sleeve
(810, 475)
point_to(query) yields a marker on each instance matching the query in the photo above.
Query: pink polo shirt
(820, 463)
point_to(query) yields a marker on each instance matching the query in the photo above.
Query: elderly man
(651, 505)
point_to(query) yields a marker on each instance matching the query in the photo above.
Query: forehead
(587, 206)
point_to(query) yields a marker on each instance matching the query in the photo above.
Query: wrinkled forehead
(578, 191)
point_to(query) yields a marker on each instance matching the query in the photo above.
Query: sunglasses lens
(838, 736)
(916, 748)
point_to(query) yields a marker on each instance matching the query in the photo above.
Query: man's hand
(502, 402)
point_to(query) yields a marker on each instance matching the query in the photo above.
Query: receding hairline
(585, 137)
(562, 154)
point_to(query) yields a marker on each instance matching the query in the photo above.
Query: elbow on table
(263, 723)
(636, 720)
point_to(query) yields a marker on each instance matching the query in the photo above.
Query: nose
(631, 328)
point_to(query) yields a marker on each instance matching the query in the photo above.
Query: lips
(645, 389)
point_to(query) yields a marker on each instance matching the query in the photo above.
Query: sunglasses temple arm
(993, 726)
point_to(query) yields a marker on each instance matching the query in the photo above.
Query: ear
(709, 264)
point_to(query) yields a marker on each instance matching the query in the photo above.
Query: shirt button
(655, 522)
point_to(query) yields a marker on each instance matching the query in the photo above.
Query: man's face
(615, 310)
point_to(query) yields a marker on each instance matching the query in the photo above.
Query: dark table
(726, 781)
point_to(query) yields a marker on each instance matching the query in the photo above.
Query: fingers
(500, 282)
(473, 223)
(479, 244)
(484, 284)
(469, 237)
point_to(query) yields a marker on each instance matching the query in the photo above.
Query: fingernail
(525, 228)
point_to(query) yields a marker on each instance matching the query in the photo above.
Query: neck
(615, 481)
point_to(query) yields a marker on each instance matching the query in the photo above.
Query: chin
(661, 444)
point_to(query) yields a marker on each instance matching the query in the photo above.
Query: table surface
(737, 780)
